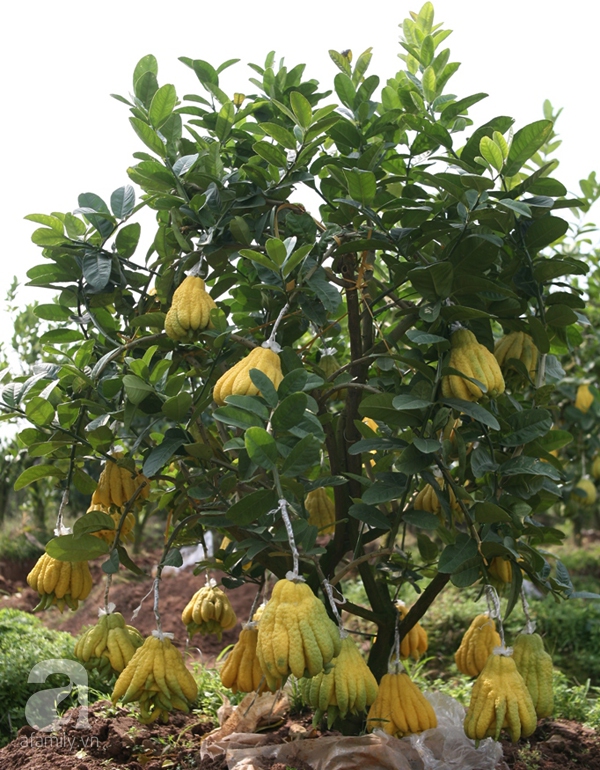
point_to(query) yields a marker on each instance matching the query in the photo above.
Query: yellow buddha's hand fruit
(535, 666)
(60, 582)
(109, 645)
(157, 677)
(584, 492)
(414, 643)
(520, 346)
(241, 671)
(400, 708)
(117, 485)
(474, 360)
(349, 688)
(500, 569)
(295, 634)
(190, 310)
(237, 382)
(584, 398)
(108, 535)
(477, 645)
(321, 511)
(427, 500)
(500, 699)
(209, 611)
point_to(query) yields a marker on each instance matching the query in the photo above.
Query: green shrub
(24, 641)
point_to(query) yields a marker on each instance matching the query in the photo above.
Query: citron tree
(315, 307)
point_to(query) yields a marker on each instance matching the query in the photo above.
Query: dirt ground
(118, 741)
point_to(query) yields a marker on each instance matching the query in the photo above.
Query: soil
(128, 745)
(127, 591)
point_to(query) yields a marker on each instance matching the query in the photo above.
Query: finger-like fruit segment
(414, 643)
(60, 582)
(349, 685)
(109, 645)
(428, 500)
(584, 398)
(535, 666)
(477, 645)
(209, 611)
(321, 511)
(295, 634)
(236, 381)
(400, 708)
(157, 677)
(190, 310)
(500, 699)
(476, 362)
(241, 671)
(500, 569)
(518, 346)
(117, 485)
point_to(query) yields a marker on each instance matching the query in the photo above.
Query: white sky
(63, 134)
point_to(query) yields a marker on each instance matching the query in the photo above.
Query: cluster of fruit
(109, 645)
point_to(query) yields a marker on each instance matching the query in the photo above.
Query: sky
(63, 134)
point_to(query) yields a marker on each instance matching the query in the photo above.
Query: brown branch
(365, 557)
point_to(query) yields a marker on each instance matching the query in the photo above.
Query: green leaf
(454, 109)
(454, 556)
(276, 251)
(136, 388)
(526, 426)
(408, 403)
(271, 153)
(411, 460)
(280, 134)
(362, 185)
(301, 108)
(290, 411)
(127, 239)
(526, 142)
(295, 258)
(148, 136)
(96, 269)
(237, 417)
(178, 407)
(489, 513)
(94, 521)
(261, 447)
(544, 231)
(35, 473)
(344, 88)
(122, 201)
(261, 259)
(61, 335)
(112, 564)
(474, 410)
(252, 506)
(265, 386)
(491, 152)
(147, 63)
(251, 404)
(433, 282)
(39, 411)
(53, 312)
(162, 105)
(304, 455)
(370, 515)
(293, 382)
(161, 455)
(71, 548)
(225, 121)
(522, 209)
(422, 519)
(529, 466)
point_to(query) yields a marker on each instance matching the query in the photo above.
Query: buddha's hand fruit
(474, 360)
(500, 569)
(428, 500)
(209, 611)
(60, 582)
(414, 643)
(157, 677)
(241, 671)
(117, 485)
(108, 535)
(400, 708)
(500, 699)
(535, 666)
(584, 398)
(349, 688)
(477, 645)
(190, 310)
(109, 645)
(236, 381)
(295, 634)
(321, 511)
(519, 346)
